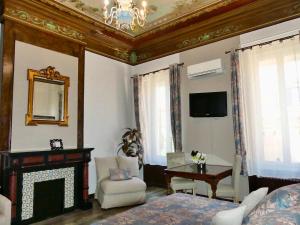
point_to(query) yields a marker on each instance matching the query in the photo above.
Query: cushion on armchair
(119, 174)
(130, 163)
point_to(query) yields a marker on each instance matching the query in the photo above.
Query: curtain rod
(263, 43)
(145, 74)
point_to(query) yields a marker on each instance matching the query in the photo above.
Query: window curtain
(175, 104)
(155, 121)
(270, 100)
(136, 87)
(236, 111)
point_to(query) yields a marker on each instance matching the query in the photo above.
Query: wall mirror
(47, 97)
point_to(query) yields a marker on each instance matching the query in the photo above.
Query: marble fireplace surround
(46, 175)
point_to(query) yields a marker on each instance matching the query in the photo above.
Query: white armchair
(112, 194)
(5, 210)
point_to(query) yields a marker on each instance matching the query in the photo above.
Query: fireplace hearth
(48, 198)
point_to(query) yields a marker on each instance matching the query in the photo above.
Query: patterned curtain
(136, 88)
(236, 111)
(175, 106)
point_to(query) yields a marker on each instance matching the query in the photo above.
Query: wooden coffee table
(211, 175)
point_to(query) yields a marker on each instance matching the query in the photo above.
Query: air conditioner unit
(205, 68)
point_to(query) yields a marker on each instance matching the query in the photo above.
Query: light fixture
(124, 14)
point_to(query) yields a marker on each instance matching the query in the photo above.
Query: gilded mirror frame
(49, 75)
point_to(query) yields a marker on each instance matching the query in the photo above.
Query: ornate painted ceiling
(173, 25)
(159, 11)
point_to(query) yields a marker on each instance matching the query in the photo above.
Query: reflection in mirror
(48, 100)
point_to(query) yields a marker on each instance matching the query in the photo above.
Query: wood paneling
(272, 183)
(80, 114)
(154, 175)
(56, 158)
(33, 160)
(7, 83)
(193, 30)
(15, 31)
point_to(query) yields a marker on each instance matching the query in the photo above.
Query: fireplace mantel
(14, 165)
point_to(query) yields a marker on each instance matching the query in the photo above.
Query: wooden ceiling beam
(229, 19)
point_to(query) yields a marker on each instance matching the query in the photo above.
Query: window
(270, 82)
(155, 117)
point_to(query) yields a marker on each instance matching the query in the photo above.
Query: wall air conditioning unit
(205, 68)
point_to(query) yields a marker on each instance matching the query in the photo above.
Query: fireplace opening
(48, 199)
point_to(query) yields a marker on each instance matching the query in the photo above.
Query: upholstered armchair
(5, 210)
(111, 193)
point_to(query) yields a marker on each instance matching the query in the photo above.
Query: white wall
(270, 33)
(155, 64)
(107, 107)
(37, 137)
(213, 136)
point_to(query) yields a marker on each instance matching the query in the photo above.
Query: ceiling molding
(217, 22)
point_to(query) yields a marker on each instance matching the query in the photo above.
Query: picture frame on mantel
(56, 144)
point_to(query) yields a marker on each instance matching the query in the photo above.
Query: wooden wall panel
(272, 183)
(14, 31)
(7, 83)
(198, 28)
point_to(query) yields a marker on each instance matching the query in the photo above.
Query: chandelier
(124, 14)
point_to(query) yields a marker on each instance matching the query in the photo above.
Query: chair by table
(178, 183)
(212, 174)
(230, 190)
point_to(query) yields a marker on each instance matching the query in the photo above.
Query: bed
(281, 207)
(175, 209)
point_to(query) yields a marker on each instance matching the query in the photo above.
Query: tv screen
(212, 104)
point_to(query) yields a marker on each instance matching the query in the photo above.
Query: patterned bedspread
(176, 209)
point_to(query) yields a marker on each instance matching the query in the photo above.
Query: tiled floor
(90, 217)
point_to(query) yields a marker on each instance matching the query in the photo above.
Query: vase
(201, 166)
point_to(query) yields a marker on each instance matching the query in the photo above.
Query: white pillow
(129, 163)
(229, 217)
(252, 200)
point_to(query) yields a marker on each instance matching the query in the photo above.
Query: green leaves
(131, 145)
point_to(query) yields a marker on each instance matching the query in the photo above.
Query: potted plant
(131, 145)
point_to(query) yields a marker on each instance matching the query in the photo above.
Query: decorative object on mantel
(47, 97)
(199, 158)
(125, 15)
(56, 144)
(131, 145)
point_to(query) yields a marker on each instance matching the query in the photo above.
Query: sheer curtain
(270, 100)
(155, 118)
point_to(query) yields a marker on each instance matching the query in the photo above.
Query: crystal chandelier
(124, 14)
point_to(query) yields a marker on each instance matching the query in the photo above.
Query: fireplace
(48, 198)
(45, 179)
(42, 184)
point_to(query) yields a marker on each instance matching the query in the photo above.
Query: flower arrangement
(198, 157)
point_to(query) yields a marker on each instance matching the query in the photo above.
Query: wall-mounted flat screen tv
(212, 104)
